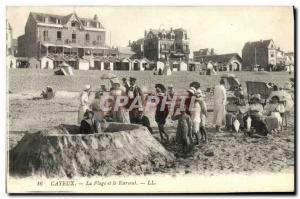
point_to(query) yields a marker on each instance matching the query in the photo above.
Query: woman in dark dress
(89, 125)
(161, 113)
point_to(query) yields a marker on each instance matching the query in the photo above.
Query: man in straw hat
(84, 102)
(219, 105)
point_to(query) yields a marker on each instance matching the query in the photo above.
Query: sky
(225, 29)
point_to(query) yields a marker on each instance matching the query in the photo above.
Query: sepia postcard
(150, 99)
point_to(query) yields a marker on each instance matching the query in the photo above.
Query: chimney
(145, 33)
(96, 17)
(212, 51)
(171, 29)
(129, 43)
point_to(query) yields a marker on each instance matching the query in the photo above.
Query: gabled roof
(220, 58)
(258, 44)
(125, 50)
(156, 32)
(64, 18)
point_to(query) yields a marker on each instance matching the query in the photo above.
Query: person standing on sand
(220, 99)
(133, 92)
(84, 102)
(119, 113)
(161, 113)
(184, 130)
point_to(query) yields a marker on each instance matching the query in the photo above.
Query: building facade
(262, 54)
(59, 38)
(163, 45)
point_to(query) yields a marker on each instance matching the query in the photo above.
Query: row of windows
(59, 36)
(85, 23)
(178, 46)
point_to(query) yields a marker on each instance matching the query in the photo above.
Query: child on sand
(184, 130)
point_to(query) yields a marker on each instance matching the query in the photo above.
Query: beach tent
(64, 69)
(231, 81)
(183, 66)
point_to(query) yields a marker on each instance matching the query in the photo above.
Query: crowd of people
(127, 105)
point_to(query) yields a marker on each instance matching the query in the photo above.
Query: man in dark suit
(140, 118)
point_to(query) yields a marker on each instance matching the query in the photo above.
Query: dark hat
(196, 85)
(162, 87)
(87, 112)
(132, 79)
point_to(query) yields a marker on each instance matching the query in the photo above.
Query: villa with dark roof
(52, 39)
(261, 53)
(163, 45)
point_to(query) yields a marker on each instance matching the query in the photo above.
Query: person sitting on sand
(89, 125)
(255, 113)
(232, 110)
(48, 93)
(142, 119)
(184, 130)
(274, 110)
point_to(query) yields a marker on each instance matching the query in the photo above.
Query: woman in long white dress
(99, 113)
(119, 113)
(84, 102)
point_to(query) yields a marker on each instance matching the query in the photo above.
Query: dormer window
(87, 24)
(98, 25)
(164, 36)
(58, 21)
(185, 36)
(73, 23)
(44, 19)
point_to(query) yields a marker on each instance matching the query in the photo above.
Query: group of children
(237, 114)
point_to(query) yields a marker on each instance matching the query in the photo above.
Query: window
(172, 36)
(58, 35)
(185, 36)
(272, 55)
(164, 36)
(45, 35)
(98, 37)
(58, 21)
(73, 23)
(44, 19)
(98, 25)
(73, 37)
(87, 37)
